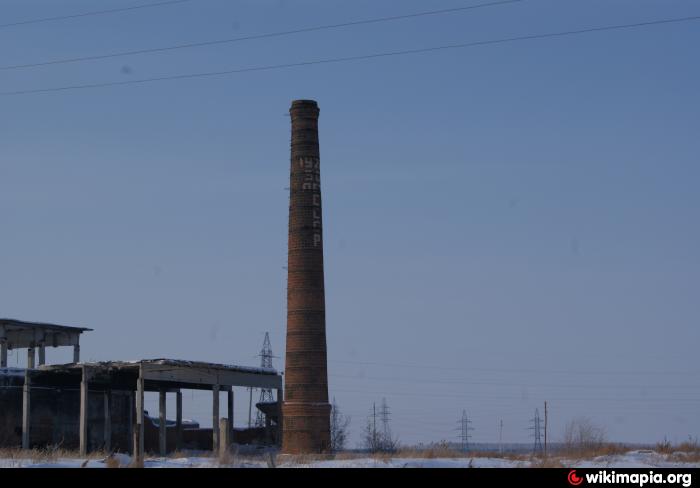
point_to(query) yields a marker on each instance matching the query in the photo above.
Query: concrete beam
(26, 409)
(162, 426)
(76, 353)
(216, 435)
(21, 339)
(84, 412)
(209, 376)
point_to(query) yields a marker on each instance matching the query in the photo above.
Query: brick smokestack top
(306, 411)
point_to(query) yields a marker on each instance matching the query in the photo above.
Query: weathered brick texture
(306, 411)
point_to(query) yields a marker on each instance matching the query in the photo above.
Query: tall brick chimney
(306, 411)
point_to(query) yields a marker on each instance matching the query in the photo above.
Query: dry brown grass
(383, 457)
(302, 458)
(445, 450)
(684, 457)
(346, 455)
(690, 446)
(664, 447)
(47, 454)
(187, 454)
(112, 462)
(685, 452)
(432, 452)
(227, 457)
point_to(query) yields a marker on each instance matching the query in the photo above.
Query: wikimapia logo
(638, 479)
(574, 479)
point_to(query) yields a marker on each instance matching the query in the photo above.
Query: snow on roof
(21, 324)
(164, 362)
(201, 364)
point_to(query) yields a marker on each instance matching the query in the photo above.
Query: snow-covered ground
(632, 459)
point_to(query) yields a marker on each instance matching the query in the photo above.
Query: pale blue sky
(518, 219)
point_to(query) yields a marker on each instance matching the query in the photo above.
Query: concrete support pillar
(215, 419)
(108, 420)
(84, 412)
(229, 403)
(3, 347)
(132, 421)
(26, 409)
(42, 354)
(76, 353)
(140, 417)
(225, 439)
(3, 353)
(162, 424)
(178, 420)
(31, 357)
(250, 409)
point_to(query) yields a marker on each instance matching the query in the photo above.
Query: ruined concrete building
(100, 405)
(306, 411)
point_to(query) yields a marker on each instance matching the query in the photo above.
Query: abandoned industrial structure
(306, 409)
(100, 405)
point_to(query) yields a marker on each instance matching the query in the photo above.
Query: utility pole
(464, 429)
(500, 438)
(374, 425)
(545, 428)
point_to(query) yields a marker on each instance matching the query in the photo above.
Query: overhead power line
(467, 381)
(637, 405)
(92, 13)
(516, 370)
(253, 37)
(350, 58)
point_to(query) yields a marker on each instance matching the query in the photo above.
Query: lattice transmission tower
(537, 427)
(384, 415)
(464, 429)
(265, 393)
